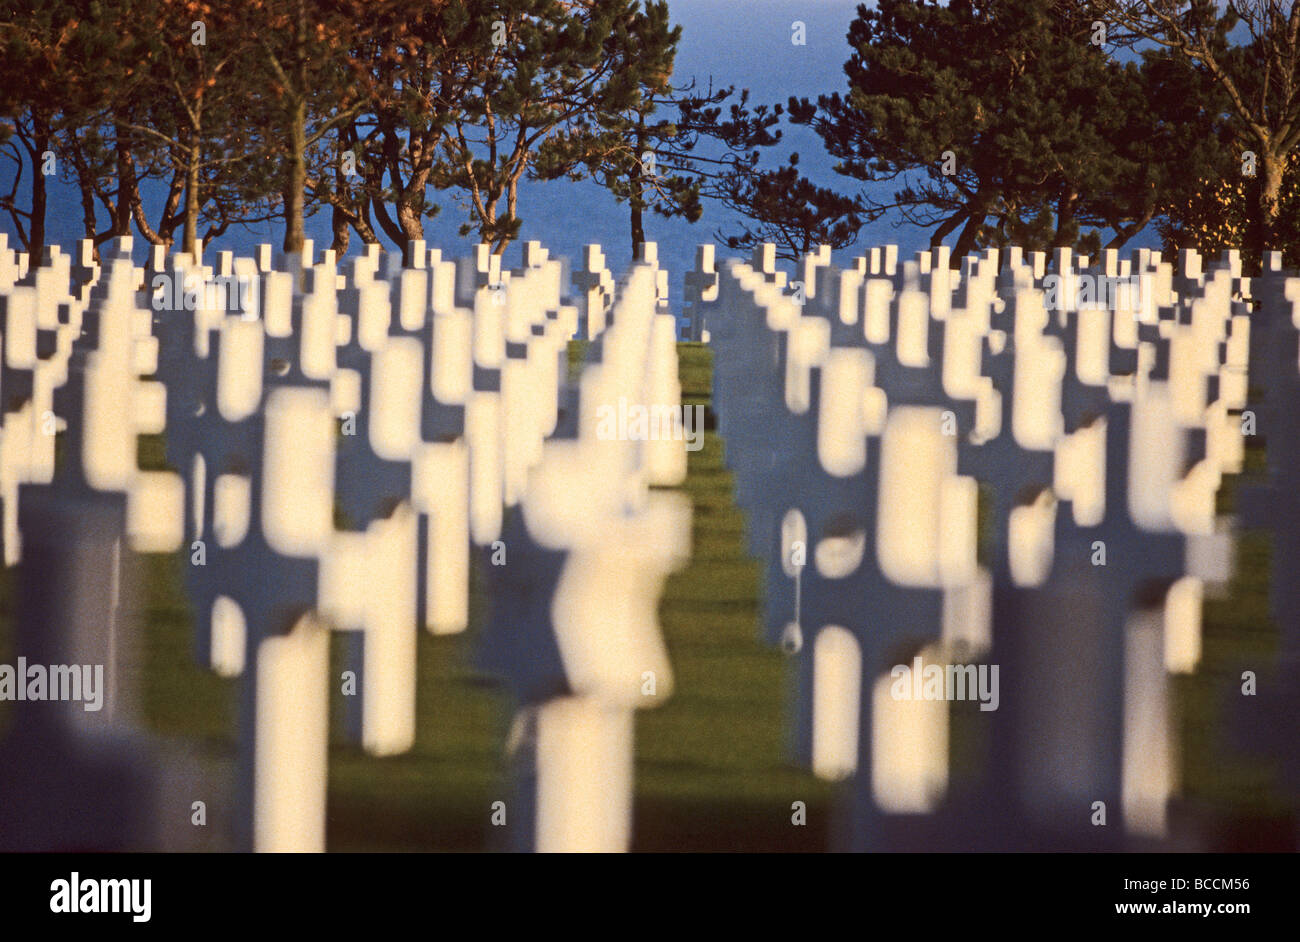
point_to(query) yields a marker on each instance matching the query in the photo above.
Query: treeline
(1075, 123)
(1036, 122)
(249, 110)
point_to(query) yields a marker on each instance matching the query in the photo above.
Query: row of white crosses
(850, 401)
(40, 321)
(342, 441)
(74, 354)
(590, 548)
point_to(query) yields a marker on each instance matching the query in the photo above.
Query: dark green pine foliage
(1000, 121)
(787, 209)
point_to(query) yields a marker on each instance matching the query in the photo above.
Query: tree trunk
(339, 221)
(391, 229)
(412, 228)
(167, 220)
(1264, 225)
(637, 200)
(512, 206)
(142, 222)
(191, 231)
(410, 200)
(946, 229)
(1124, 233)
(121, 222)
(638, 230)
(359, 217)
(966, 241)
(36, 238)
(296, 185)
(1066, 207)
(89, 223)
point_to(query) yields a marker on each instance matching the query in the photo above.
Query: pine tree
(785, 208)
(544, 68)
(1257, 76)
(998, 119)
